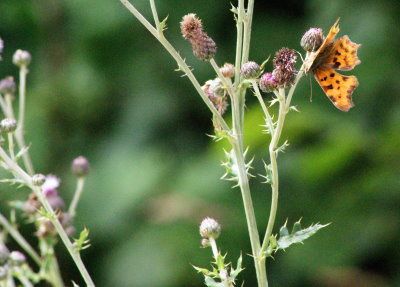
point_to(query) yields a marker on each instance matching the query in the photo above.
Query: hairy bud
(7, 85)
(80, 166)
(8, 125)
(17, 258)
(227, 70)
(22, 58)
(267, 83)
(250, 70)
(284, 67)
(312, 39)
(203, 46)
(210, 228)
(38, 179)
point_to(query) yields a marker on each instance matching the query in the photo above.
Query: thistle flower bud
(227, 70)
(203, 46)
(7, 85)
(312, 39)
(285, 71)
(38, 179)
(22, 58)
(80, 166)
(17, 258)
(267, 83)
(210, 228)
(250, 70)
(217, 88)
(8, 125)
(205, 243)
(220, 102)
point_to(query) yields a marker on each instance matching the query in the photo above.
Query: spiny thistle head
(312, 39)
(227, 70)
(80, 166)
(203, 46)
(268, 83)
(7, 85)
(284, 67)
(250, 70)
(22, 58)
(210, 228)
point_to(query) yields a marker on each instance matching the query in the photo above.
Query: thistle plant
(226, 92)
(44, 207)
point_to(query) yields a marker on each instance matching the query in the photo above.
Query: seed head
(8, 125)
(17, 258)
(38, 179)
(80, 166)
(22, 58)
(203, 46)
(250, 70)
(210, 228)
(267, 83)
(227, 70)
(312, 39)
(7, 85)
(284, 67)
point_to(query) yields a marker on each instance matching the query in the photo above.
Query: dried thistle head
(312, 39)
(284, 67)
(227, 70)
(250, 70)
(203, 46)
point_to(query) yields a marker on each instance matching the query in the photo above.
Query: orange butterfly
(340, 54)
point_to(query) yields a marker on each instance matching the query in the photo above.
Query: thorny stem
(239, 41)
(22, 278)
(180, 61)
(225, 81)
(26, 178)
(268, 118)
(78, 191)
(19, 239)
(223, 272)
(11, 145)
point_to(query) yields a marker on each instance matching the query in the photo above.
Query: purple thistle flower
(267, 82)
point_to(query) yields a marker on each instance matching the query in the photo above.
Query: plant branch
(268, 118)
(239, 42)
(78, 191)
(180, 61)
(26, 178)
(248, 21)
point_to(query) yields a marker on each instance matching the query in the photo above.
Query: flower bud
(250, 70)
(8, 125)
(7, 85)
(17, 258)
(80, 166)
(22, 58)
(285, 71)
(312, 39)
(203, 46)
(205, 243)
(38, 179)
(267, 83)
(210, 228)
(217, 88)
(227, 70)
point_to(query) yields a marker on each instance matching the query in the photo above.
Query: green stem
(19, 239)
(223, 273)
(78, 192)
(181, 63)
(268, 118)
(248, 21)
(52, 216)
(11, 145)
(239, 42)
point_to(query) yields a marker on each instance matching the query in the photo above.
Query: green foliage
(82, 242)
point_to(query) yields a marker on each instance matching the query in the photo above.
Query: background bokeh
(101, 86)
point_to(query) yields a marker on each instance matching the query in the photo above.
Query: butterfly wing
(337, 87)
(343, 55)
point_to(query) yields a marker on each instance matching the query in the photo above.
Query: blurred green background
(100, 85)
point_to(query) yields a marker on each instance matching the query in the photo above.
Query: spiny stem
(248, 21)
(53, 217)
(268, 117)
(239, 42)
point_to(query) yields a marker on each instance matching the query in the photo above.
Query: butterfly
(335, 54)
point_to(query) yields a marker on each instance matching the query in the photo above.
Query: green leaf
(235, 272)
(83, 241)
(163, 24)
(298, 234)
